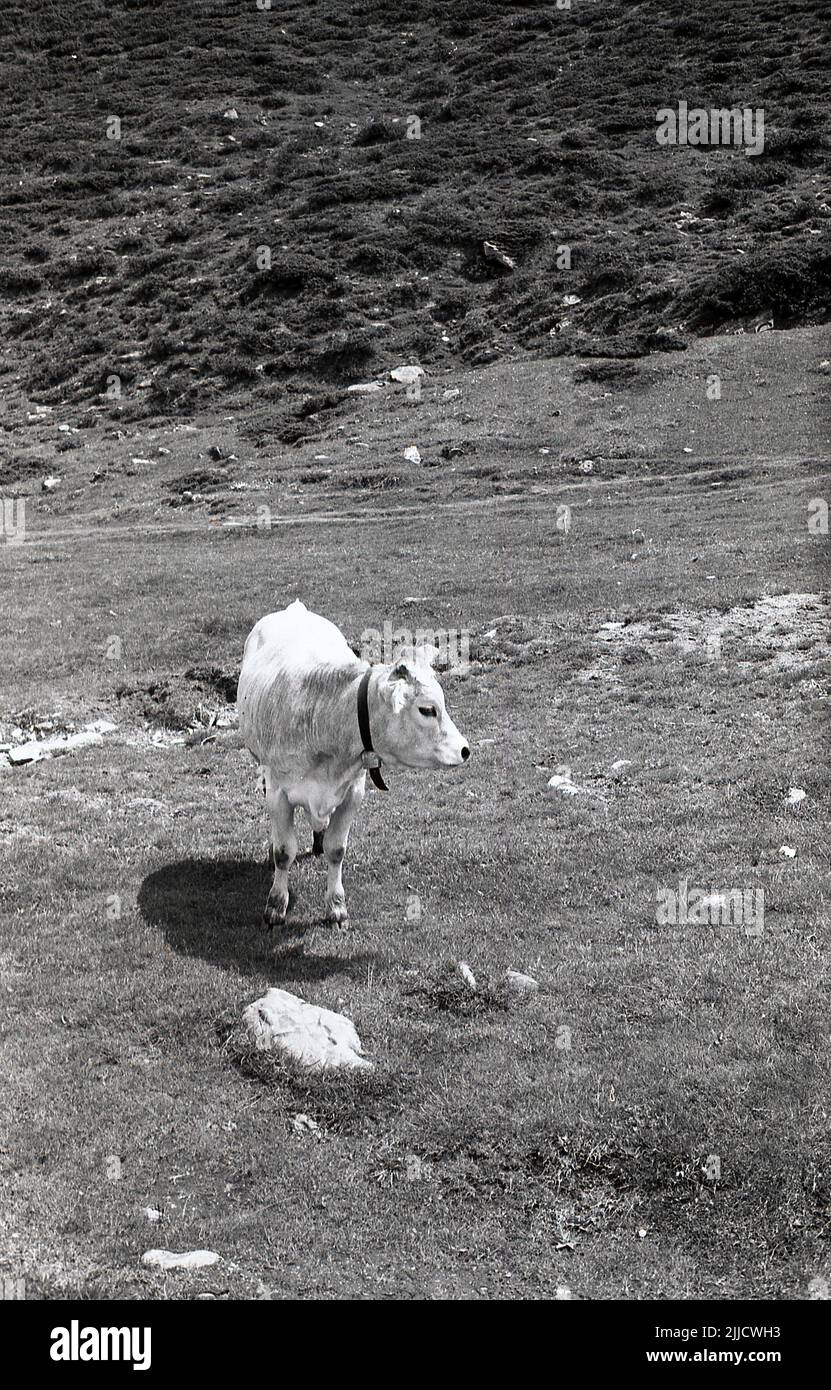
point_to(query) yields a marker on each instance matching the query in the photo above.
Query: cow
(317, 718)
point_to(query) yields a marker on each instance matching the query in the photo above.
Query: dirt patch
(783, 632)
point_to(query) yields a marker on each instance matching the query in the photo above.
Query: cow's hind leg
(284, 845)
(334, 847)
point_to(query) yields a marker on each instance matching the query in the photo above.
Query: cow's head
(410, 726)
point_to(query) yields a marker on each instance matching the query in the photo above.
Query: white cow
(316, 717)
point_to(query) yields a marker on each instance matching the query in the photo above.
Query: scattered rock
(795, 795)
(231, 114)
(189, 1259)
(587, 466)
(50, 484)
(787, 852)
(466, 974)
(406, 374)
(451, 394)
(562, 782)
(313, 1036)
(523, 984)
(365, 388)
(137, 462)
(304, 1124)
(412, 454)
(493, 253)
(36, 749)
(151, 1214)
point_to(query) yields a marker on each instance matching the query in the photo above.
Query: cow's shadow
(211, 908)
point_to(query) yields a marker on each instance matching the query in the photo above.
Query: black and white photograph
(416, 660)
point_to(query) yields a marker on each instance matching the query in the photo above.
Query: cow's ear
(400, 680)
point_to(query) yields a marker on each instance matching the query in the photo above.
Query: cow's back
(282, 652)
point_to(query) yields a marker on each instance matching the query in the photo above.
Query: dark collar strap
(370, 758)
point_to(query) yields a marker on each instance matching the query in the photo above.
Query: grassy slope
(137, 257)
(123, 1038)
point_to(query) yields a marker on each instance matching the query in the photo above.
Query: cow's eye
(429, 711)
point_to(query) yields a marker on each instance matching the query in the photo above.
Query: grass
(503, 1146)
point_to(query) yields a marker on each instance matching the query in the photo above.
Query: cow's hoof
(274, 913)
(336, 912)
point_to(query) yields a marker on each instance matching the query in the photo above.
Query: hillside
(131, 282)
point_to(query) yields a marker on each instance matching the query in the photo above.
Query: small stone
(189, 1259)
(412, 454)
(523, 984)
(493, 253)
(407, 375)
(304, 1124)
(467, 974)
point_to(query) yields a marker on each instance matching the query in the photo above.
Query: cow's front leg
(335, 840)
(284, 844)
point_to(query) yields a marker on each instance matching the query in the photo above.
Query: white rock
(26, 752)
(571, 299)
(407, 374)
(467, 974)
(49, 484)
(53, 747)
(561, 782)
(493, 253)
(231, 114)
(304, 1124)
(365, 388)
(795, 795)
(787, 852)
(189, 1259)
(412, 454)
(313, 1036)
(139, 460)
(151, 1214)
(523, 984)
(451, 394)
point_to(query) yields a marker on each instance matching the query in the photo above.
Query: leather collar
(369, 758)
